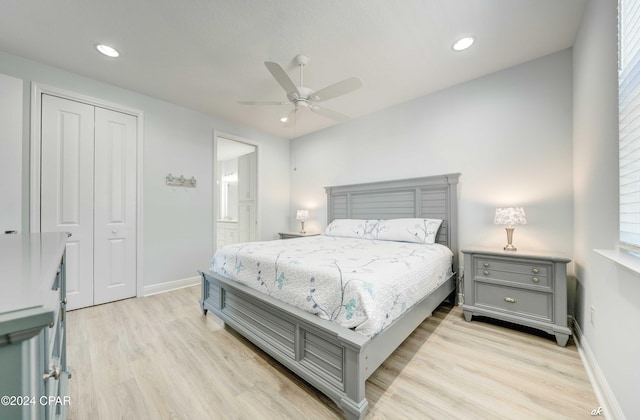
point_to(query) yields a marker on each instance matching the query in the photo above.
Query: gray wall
(177, 221)
(508, 133)
(612, 338)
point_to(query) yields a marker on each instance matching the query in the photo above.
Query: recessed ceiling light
(463, 43)
(107, 50)
(283, 119)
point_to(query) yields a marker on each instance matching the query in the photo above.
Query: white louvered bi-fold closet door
(88, 188)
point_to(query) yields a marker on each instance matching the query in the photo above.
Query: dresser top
(536, 255)
(28, 266)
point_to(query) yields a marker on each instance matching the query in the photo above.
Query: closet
(88, 189)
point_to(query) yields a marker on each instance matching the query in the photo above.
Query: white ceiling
(208, 54)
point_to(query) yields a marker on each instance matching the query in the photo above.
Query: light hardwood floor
(159, 358)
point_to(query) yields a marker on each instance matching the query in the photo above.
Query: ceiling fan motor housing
(302, 95)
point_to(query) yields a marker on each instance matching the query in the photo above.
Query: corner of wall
(604, 393)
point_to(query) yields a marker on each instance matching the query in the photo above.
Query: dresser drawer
(55, 331)
(524, 267)
(529, 303)
(525, 272)
(531, 279)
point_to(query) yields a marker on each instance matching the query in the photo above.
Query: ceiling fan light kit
(303, 97)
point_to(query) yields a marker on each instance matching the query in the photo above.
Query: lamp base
(509, 246)
(302, 227)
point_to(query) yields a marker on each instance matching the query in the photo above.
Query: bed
(335, 359)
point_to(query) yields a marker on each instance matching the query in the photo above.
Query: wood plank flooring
(159, 358)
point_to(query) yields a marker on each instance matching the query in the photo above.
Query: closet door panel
(115, 206)
(67, 188)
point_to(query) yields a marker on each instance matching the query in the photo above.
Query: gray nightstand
(291, 235)
(526, 288)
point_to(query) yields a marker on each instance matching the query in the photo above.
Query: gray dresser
(526, 288)
(33, 359)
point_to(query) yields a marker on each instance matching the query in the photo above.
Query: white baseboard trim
(604, 394)
(168, 286)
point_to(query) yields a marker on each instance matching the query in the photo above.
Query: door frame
(37, 90)
(216, 134)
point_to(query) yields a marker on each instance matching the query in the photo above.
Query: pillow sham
(402, 230)
(352, 228)
(423, 231)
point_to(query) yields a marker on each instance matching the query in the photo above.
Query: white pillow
(353, 228)
(423, 231)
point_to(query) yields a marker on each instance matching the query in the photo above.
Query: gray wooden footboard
(335, 360)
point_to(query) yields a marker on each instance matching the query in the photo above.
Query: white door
(88, 188)
(66, 188)
(115, 206)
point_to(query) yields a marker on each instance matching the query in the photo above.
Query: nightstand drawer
(531, 279)
(529, 303)
(525, 267)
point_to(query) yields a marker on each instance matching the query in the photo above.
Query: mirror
(236, 191)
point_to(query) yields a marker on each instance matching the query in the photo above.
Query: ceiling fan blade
(263, 103)
(337, 89)
(281, 76)
(292, 117)
(329, 113)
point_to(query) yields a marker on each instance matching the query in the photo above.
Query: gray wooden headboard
(429, 197)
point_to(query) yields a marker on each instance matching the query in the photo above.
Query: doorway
(235, 190)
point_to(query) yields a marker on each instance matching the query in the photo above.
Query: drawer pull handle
(51, 325)
(485, 272)
(535, 279)
(510, 300)
(535, 271)
(53, 373)
(486, 265)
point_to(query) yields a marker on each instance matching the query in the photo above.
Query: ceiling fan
(304, 98)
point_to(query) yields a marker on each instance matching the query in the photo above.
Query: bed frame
(336, 360)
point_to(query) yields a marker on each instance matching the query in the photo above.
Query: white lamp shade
(302, 215)
(510, 216)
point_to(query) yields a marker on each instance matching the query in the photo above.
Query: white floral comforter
(361, 284)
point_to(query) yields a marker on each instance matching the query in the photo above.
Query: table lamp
(302, 215)
(510, 216)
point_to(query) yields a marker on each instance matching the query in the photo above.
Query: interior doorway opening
(235, 190)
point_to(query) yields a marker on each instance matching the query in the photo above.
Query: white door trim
(35, 158)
